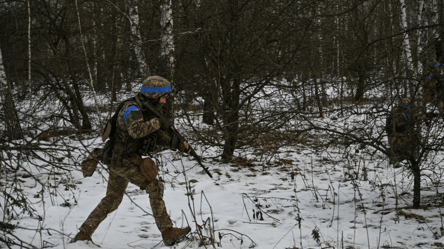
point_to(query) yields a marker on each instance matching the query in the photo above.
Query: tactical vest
(121, 143)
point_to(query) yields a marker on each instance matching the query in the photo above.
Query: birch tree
(167, 38)
(406, 46)
(136, 38)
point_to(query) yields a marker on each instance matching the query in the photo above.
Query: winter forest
(289, 103)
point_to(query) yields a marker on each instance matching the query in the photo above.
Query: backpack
(108, 132)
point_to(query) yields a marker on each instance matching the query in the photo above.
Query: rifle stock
(181, 138)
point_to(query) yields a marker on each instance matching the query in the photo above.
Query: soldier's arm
(136, 126)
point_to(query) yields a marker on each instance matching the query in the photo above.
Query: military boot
(172, 235)
(81, 236)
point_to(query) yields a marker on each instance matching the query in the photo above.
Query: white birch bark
(420, 34)
(136, 38)
(406, 41)
(167, 38)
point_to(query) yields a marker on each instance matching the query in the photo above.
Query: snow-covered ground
(306, 199)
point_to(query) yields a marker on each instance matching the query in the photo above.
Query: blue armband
(128, 110)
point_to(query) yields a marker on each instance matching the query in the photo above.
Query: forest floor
(303, 199)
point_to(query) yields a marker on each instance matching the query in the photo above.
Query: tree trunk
(323, 94)
(95, 48)
(440, 42)
(416, 184)
(12, 122)
(208, 115)
(29, 59)
(407, 52)
(318, 98)
(167, 50)
(167, 38)
(136, 38)
(361, 87)
(231, 96)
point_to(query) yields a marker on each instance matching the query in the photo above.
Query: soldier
(400, 128)
(135, 132)
(433, 89)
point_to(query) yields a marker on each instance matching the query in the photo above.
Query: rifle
(176, 136)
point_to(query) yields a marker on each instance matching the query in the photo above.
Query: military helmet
(406, 101)
(155, 87)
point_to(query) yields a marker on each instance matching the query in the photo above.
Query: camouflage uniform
(400, 128)
(433, 89)
(137, 132)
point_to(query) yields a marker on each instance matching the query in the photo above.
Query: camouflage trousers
(402, 147)
(117, 183)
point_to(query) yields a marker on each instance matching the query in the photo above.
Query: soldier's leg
(145, 179)
(154, 188)
(114, 195)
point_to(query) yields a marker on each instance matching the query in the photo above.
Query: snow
(303, 193)
(349, 198)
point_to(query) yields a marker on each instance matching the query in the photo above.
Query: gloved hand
(183, 147)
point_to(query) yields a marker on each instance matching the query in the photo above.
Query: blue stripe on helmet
(429, 78)
(128, 110)
(156, 89)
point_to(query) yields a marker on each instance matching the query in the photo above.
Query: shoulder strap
(110, 127)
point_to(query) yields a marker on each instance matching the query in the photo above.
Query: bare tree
(239, 49)
(10, 117)
(136, 37)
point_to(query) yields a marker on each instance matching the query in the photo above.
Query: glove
(182, 148)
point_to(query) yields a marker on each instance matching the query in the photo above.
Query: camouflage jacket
(139, 130)
(401, 120)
